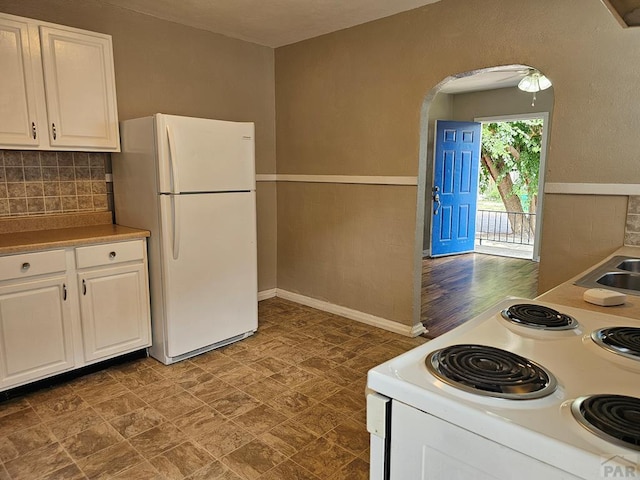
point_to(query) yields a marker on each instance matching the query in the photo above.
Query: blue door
(455, 187)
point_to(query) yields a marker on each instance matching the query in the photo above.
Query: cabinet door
(18, 121)
(80, 89)
(35, 331)
(114, 306)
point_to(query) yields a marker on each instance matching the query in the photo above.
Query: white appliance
(191, 183)
(424, 427)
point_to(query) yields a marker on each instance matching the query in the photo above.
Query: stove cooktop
(570, 357)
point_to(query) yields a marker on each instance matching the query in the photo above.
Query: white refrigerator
(191, 183)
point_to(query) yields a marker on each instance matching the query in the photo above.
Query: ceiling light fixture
(533, 83)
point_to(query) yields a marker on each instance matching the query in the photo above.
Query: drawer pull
(64, 291)
(84, 287)
(112, 254)
(25, 266)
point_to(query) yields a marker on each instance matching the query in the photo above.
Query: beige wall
(582, 228)
(350, 103)
(165, 67)
(333, 245)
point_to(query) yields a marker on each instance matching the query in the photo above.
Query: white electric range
(435, 412)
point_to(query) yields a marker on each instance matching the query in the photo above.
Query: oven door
(427, 447)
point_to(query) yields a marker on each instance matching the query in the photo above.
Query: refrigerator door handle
(173, 160)
(175, 225)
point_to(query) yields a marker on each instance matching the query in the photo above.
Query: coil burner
(538, 316)
(490, 371)
(615, 418)
(623, 341)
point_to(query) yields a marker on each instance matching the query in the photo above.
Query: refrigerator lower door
(209, 269)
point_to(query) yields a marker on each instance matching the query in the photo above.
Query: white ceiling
(272, 23)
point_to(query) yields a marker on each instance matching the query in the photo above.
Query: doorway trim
(541, 172)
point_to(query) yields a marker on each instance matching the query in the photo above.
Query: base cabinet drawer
(35, 331)
(109, 254)
(25, 265)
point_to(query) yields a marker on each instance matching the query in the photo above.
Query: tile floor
(286, 403)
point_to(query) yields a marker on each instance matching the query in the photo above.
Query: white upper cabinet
(80, 89)
(59, 87)
(19, 118)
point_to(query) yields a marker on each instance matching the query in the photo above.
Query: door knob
(436, 199)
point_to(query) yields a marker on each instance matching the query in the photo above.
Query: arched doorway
(482, 95)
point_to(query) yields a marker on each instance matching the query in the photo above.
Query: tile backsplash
(632, 230)
(44, 183)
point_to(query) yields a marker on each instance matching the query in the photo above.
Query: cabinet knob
(25, 266)
(112, 254)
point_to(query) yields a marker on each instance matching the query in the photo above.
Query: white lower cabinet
(63, 309)
(114, 309)
(35, 330)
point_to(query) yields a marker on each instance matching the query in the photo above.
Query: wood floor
(459, 287)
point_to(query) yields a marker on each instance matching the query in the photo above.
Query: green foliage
(513, 147)
(490, 192)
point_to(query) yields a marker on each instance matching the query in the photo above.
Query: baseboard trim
(358, 316)
(264, 294)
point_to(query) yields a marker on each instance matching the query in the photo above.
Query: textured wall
(350, 103)
(164, 67)
(336, 238)
(578, 231)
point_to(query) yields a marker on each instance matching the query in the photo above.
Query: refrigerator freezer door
(210, 287)
(202, 155)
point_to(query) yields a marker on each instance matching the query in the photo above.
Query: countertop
(20, 242)
(571, 295)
